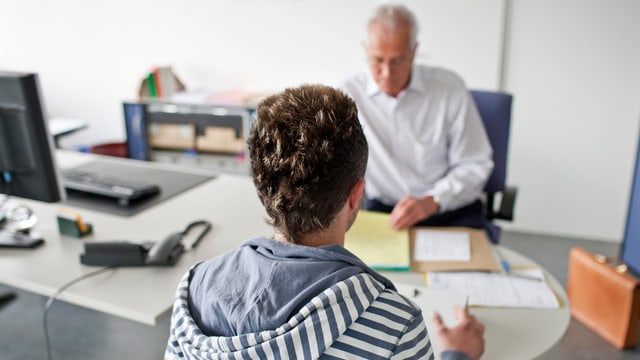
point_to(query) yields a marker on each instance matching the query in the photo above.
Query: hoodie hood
(355, 294)
(264, 283)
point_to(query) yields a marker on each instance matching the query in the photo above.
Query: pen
(506, 268)
(466, 303)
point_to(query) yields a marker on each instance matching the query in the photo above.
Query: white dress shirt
(429, 140)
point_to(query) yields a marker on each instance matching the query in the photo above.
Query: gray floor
(78, 333)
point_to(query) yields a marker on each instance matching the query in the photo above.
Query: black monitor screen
(27, 158)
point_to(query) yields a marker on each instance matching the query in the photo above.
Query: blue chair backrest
(630, 249)
(495, 111)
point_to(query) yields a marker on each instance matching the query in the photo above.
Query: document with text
(519, 288)
(434, 245)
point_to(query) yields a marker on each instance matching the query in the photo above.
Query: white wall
(572, 66)
(91, 56)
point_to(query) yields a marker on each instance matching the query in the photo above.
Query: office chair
(495, 111)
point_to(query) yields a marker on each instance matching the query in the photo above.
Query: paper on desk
(497, 289)
(481, 257)
(429, 300)
(375, 242)
(434, 245)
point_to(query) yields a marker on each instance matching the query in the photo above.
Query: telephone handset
(161, 253)
(165, 252)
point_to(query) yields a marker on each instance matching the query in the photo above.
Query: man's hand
(467, 336)
(410, 210)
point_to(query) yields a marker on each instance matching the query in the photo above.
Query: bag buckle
(617, 265)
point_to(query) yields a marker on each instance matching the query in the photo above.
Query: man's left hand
(410, 210)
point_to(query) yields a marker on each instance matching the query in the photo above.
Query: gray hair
(390, 15)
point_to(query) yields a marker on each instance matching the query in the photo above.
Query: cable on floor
(53, 298)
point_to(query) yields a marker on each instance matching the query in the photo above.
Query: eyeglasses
(393, 63)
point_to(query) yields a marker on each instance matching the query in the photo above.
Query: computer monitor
(27, 159)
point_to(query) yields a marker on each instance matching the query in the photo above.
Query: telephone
(166, 252)
(123, 253)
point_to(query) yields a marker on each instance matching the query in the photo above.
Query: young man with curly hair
(301, 294)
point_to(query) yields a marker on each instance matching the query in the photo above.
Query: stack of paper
(376, 243)
(457, 261)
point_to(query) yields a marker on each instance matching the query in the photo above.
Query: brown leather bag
(604, 298)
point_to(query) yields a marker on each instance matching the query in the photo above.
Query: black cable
(53, 297)
(207, 226)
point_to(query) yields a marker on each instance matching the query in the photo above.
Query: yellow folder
(375, 242)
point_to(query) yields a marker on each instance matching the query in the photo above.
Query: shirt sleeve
(414, 343)
(453, 355)
(470, 155)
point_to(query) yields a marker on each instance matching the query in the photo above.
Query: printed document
(498, 289)
(434, 245)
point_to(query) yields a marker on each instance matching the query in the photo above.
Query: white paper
(498, 289)
(433, 245)
(430, 300)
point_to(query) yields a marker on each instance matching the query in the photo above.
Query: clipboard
(482, 258)
(372, 239)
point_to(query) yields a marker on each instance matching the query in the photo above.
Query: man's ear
(357, 191)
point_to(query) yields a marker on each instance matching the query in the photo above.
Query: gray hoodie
(270, 299)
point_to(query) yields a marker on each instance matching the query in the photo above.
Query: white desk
(512, 333)
(140, 294)
(231, 204)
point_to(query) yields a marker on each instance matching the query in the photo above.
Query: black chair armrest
(6, 298)
(507, 203)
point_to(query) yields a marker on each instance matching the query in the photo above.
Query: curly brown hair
(307, 151)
